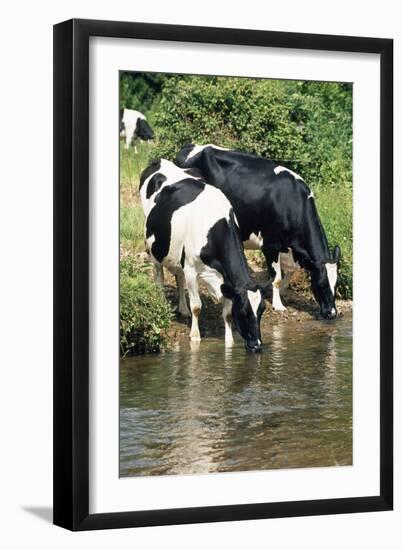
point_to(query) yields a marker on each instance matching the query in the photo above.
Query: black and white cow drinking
(191, 229)
(133, 124)
(276, 213)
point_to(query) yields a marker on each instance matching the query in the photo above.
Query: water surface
(207, 408)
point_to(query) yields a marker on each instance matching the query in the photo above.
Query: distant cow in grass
(191, 229)
(276, 213)
(133, 125)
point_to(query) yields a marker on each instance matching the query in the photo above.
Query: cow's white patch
(199, 148)
(173, 174)
(310, 196)
(254, 300)
(332, 275)
(254, 242)
(130, 117)
(279, 169)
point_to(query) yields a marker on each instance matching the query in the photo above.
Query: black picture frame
(71, 274)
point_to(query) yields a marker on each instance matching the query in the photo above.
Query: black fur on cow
(274, 205)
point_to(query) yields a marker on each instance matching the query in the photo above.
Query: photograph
(236, 274)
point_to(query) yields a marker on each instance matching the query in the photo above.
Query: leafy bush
(145, 314)
(132, 228)
(139, 90)
(305, 125)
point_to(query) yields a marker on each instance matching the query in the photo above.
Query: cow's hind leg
(158, 272)
(129, 135)
(195, 302)
(288, 266)
(183, 309)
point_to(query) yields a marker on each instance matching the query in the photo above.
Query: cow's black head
(247, 309)
(323, 282)
(181, 157)
(143, 130)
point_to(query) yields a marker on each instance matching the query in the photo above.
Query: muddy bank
(297, 299)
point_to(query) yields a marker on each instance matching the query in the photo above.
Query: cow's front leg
(183, 309)
(277, 303)
(195, 302)
(158, 272)
(273, 265)
(226, 313)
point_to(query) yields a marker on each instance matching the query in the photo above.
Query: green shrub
(145, 314)
(305, 125)
(138, 90)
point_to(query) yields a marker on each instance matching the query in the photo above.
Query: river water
(207, 408)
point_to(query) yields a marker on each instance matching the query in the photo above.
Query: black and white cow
(276, 213)
(133, 124)
(191, 229)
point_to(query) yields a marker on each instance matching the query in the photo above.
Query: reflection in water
(206, 408)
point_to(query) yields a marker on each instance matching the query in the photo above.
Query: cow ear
(228, 291)
(336, 254)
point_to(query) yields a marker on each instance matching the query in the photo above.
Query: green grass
(131, 166)
(132, 228)
(131, 212)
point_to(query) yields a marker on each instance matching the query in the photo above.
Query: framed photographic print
(223, 316)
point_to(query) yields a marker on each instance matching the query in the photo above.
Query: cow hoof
(280, 308)
(184, 313)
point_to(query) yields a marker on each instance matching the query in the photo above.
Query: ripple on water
(215, 409)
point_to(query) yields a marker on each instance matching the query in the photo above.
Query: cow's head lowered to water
(247, 309)
(323, 281)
